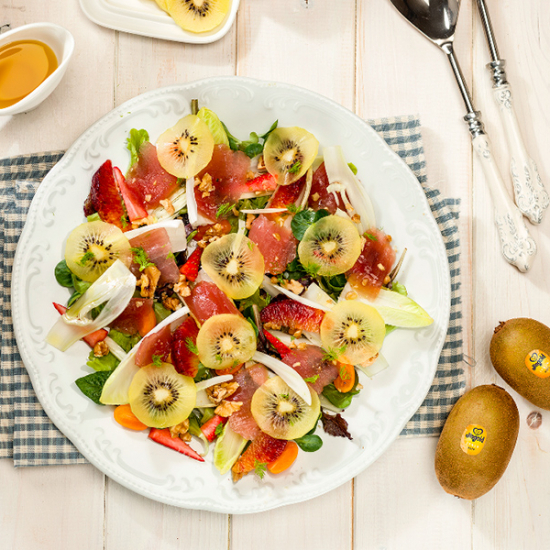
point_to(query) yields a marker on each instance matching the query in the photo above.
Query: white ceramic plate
(146, 18)
(384, 406)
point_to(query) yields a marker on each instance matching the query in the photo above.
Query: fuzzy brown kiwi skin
(510, 345)
(471, 476)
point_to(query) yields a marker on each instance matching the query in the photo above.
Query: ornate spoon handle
(531, 196)
(518, 247)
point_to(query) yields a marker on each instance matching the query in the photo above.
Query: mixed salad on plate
(232, 292)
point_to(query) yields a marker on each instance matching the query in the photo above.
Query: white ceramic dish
(375, 418)
(144, 17)
(61, 41)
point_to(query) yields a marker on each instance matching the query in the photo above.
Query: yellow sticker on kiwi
(538, 363)
(473, 439)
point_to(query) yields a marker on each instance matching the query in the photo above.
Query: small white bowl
(61, 41)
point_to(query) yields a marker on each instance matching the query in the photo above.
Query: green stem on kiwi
(194, 106)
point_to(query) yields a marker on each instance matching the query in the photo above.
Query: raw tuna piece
(287, 194)
(309, 362)
(319, 197)
(292, 315)
(105, 199)
(249, 380)
(139, 316)
(228, 171)
(148, 180)
(263, 449)
(207, 300)
(276, 243)
(377, 253)
(154, 344)
(185, 336)
(156, 245)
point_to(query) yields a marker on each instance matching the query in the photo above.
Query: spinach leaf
(74, 297)
(259, 298)
(273, 126)
(339, 399)
(134, 141)
(92, 385)
(203, 373)
(106, 363)
(63, 274)
(79, 285)
(234, 143)
(254, 149)
(309, 443)
(302, 220)
(333, 286)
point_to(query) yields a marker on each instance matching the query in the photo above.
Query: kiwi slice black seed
(161, 397)
(281, 413)
(197, 15)
(330, 246)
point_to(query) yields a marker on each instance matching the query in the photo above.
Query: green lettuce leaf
(134, 141)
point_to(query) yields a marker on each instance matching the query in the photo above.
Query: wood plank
(512, 515)
(309, 44)
(144, 64)
(51, 507)
(84, 94)
(399, 503)
(133, 521)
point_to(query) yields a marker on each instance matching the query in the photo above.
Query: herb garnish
(140, 257)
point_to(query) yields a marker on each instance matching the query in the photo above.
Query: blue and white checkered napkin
(28, 436)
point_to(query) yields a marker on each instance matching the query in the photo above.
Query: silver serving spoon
(436, 20)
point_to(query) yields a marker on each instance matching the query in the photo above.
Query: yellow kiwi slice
(289, 152)
(161, 397)
(93, 247)
(225, 341)
(198, 15)
(186, 148)
(162, 5)
(330, 246)
(235, 264)
(353, 331)
(281, 413)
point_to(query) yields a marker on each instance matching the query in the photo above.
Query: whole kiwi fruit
(520, 353)
(477, 442)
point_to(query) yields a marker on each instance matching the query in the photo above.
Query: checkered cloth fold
(26, 433)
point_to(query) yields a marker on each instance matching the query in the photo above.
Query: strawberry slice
(93, 338)
(105, 199)
(164, 438)
(280, 348)
(209, 428)
(184, 340)
(263, 182)
(191, 267)
(293, 315)
(264, 449)
(133, 206)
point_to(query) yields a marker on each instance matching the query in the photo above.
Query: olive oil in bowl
(24, 65)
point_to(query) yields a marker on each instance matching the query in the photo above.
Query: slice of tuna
(249, 380)
(374, 263)
(105, 199)
(228, 170)
(319, 197)
(309, 363)
(148, 180)
(276, 243)
(156, 245)
(207, 300)
(154, 344)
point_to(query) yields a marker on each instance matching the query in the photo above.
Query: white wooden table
(362, 55)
